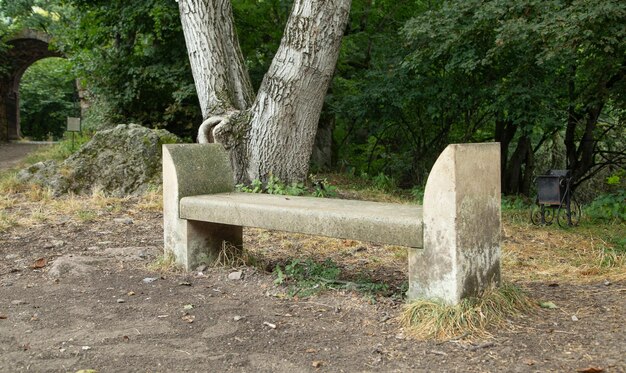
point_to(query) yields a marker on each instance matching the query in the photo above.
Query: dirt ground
(12, 153)
(79, 294)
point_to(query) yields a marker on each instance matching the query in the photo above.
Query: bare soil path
(81, 295)
(12, 153)
(78, 291)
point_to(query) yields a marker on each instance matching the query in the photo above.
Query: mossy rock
(122, 161)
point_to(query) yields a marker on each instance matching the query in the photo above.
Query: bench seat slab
(384, 223)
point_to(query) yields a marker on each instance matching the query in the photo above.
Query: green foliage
(305, 278)
(47, 95)
(16, 15)
(613, 180)
(464, 71)
(608, 208)
(320, 188)
(514, 203)
(260, 27)
(132, 57)
(372, 100)
(384, 183)
(418, 194)
(275, 186)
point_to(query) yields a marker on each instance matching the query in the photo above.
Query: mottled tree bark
(274, 134)
(222, 82)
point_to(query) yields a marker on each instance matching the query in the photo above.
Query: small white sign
(73, 124)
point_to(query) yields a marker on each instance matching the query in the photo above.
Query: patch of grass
(9, 183)
(307, 277)
(152, 200)
(6, 221)
(37, 193)
(101, 201)
(59, 151)
(165, 263)
(612, 257)
(39, 214)
(473, 317)
(381, 188)
(86, 215)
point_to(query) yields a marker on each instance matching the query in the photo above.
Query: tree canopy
(544, 78)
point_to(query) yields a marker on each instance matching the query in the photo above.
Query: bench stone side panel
(188, 170)
(461, 255)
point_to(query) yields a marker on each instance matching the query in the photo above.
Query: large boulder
(122, 161)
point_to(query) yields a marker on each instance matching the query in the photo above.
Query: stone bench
(453, 239)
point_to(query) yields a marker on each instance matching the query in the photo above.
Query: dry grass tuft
(427, 319)
(549, 254)
(152, 200)
(165, 263)
(9, 184)
(7, 221)
(233, 256)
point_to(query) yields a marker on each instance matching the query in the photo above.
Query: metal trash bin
(554, 192)
(551, 188)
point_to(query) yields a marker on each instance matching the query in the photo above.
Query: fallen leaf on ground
(40, 263)
(548, 305)
(316, 364)
(591, 370)
(189, 318)
(269, 324)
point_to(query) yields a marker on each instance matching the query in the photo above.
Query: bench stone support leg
(188, 170)
(461, 211)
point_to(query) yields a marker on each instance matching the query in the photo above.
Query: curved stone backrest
(461, 255)
(189, 170)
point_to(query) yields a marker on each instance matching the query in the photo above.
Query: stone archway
(26, 48)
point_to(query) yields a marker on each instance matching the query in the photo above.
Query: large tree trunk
(222, 82)
(274, 134)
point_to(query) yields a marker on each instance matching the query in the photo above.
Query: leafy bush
(384, 183)
(514, 203)
(47, 93)
(608, 207)
(417, 192)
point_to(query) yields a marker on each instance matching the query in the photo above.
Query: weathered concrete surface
(188, 170)
(461, 255)
(459, 225)
(384, 223)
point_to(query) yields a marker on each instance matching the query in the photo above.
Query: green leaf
(548, 305)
